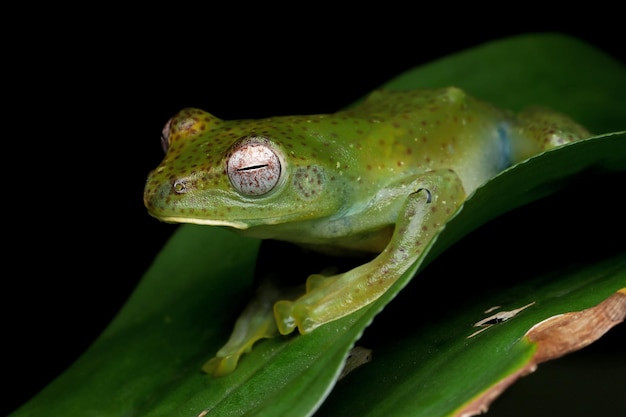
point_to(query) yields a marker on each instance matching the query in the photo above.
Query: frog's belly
(337, 242)
(366, 243)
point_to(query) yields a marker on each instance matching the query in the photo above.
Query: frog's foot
(256, 322)
(252, 326)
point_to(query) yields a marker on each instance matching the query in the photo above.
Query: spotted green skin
(379, 178)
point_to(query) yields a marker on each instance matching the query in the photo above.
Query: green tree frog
(379, 178)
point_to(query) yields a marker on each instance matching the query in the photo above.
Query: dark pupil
(250, 168)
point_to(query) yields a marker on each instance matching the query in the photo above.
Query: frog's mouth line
(205, 222)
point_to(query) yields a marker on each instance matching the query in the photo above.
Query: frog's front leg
(433, 197)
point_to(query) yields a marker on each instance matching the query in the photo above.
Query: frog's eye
(165, 136)
(254, 167)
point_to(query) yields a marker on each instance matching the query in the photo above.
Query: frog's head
(236, 173)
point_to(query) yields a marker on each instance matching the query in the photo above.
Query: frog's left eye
(254, 167)
(165, 136)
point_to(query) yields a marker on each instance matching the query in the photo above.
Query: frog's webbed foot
(256, 322)
(436, 197)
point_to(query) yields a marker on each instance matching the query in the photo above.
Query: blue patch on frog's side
(504, 138)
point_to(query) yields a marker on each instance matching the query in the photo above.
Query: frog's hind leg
(538, 129)
(256, 322)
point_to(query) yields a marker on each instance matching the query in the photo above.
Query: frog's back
(392, 102)
(420, 130)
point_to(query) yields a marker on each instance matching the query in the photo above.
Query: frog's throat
(206, 222)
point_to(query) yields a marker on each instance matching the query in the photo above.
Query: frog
(377, 180)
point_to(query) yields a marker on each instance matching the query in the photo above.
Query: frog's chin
(206, 222)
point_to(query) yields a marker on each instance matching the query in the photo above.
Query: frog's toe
(221, 366)
(292, 314)
(285, 320)
(318, 281)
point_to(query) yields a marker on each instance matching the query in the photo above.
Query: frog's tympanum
(380, 178)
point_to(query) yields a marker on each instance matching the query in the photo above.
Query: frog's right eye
(254, 166)
(165, 135)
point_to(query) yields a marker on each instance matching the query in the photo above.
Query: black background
(89, 95)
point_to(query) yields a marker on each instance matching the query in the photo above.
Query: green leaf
(148, 360)
(436, 369)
